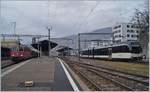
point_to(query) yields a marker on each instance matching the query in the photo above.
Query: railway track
(131, 81)
(101, 83)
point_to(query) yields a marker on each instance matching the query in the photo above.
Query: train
(23, 52)
(123, 51)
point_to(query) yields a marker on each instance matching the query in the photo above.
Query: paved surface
(5, 63)
(47, 74)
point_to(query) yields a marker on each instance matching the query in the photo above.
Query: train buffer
(43, 74)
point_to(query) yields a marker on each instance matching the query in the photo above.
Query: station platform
(47, 74)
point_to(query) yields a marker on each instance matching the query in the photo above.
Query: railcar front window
(14, 49)
(136, 50)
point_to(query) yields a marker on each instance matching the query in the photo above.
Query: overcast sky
(66, 17)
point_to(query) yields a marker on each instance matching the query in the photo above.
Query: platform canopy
(44, 45)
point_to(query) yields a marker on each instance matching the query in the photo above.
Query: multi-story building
(125, 32)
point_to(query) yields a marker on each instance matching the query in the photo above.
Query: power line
(91, 11)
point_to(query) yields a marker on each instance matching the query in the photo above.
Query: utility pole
(39, 47)
(14, 25)
(79, 46)
(49, 43)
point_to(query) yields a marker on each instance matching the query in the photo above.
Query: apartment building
(125, 32)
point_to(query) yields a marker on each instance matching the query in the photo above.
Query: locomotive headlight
(13, 55)
(21, 55)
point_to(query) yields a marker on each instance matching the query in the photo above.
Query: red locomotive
(22, 53)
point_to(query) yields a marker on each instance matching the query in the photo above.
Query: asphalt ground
(5, 63)
(47, 74)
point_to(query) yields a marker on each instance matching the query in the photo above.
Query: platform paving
(46, 73)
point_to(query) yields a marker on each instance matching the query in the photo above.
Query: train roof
(129, 44)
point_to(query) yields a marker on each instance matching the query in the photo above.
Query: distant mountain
(84, 37)
(103, 30)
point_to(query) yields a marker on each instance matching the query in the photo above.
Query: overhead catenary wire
(90, 12)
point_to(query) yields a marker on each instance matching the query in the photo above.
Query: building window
(132, 31)
(137, 31)
(120, 35)
(137, 36)
(117, 26)
(128, 35)
(128, 26)
(132, 35)
(128, 30)
(132, 26)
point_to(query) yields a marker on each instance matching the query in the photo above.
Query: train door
(88, 53)
(110, 53)
(93, 53)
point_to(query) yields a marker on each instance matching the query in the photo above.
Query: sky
(65, 17)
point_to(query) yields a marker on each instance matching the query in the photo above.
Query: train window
(118, 49)
(103, 51)
(136, 50)
(14, 49)
(20, 49)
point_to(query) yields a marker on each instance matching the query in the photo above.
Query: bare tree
(141, 19)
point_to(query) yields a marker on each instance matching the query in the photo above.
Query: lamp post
(49, 43)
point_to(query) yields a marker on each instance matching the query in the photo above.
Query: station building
(125, 32)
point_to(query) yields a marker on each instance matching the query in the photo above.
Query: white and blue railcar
(123, 51)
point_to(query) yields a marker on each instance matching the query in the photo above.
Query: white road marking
(74, 86)
(14, 68)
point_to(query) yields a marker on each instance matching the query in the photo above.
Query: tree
(141, 19)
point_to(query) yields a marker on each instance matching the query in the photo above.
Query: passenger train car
(123, 51)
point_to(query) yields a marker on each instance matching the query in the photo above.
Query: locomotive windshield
(14, 49)
(136, 49)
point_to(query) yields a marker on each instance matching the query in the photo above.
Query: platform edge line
(12, 69)
(74, 86)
